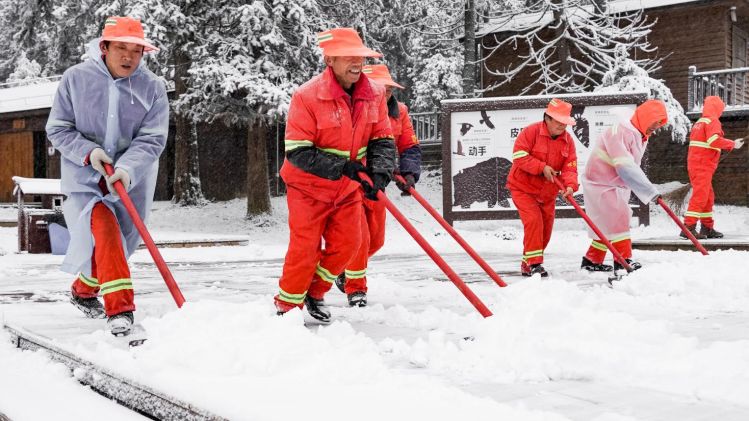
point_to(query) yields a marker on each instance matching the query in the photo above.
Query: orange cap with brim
(380, 74)
(649, 112)
(560, 111)
(343, 42)
(126, 29)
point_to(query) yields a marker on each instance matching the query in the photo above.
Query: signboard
(477, 141)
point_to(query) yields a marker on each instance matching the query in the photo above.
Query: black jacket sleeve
(381, 156)
(317, 162)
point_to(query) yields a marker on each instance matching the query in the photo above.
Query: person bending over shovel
(611, 175)
(108, 109)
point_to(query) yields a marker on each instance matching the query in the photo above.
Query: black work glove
(380, 181)
(410, 181)
(351, 170)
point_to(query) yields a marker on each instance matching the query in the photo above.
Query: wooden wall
(16, 159)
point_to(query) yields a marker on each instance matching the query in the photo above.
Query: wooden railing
(427, 127)
(731, 85)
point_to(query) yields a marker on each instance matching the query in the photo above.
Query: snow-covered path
(670, 342)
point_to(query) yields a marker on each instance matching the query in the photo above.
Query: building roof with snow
(524, 21)
(37, 185)
(37, 95)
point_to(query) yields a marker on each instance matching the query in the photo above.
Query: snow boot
(357, 299)
(709, 232)
(588, 265)
(120, 324)
(633, 264)
(340, 282)
(283, 307)
(693, 230)
(533, 269)
(317, 309)
(91, 307)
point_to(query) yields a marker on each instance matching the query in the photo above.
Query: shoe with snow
(120, 324)
(317, 309)
(531, 270)
(588, 265)
(634, 265)
(340, 282)
(283, 307)
(357, 299)
(91, 307)
(708, 232)
(693, 230)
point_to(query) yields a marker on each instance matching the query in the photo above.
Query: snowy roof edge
(550, 96)
(616, 6)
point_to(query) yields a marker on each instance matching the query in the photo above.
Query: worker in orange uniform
(337, 123)
(353, 281)
(612, 174)
(705, 143)
(542, 151)
(110, 109)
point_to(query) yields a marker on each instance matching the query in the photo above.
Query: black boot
(709, 232)
(693, 230)
(357, 299)
(537, 268)
(588, 265)
(340, 282)
(317, 309)
(634, 265)
(91, 307)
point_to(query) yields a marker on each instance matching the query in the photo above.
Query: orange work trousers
(538, 221)
(110, 274)
(308, 269)
(597, 250)
(700, 206)
(373, 238)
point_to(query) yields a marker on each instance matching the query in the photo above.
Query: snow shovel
(419, 198)
(682, 226)
(617, 256)
(482, 309)
(160, 263)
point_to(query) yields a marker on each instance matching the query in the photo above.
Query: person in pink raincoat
(612, 173)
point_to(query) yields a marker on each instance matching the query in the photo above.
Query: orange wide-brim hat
(343, 42)
(380, 74)
(126, 29)
(560, 111)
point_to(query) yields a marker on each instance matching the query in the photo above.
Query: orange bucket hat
(560, 111)
(339, 42)
(380, 74)
(126, 29)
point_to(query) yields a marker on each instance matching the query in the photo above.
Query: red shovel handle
(419, 198)
(617, 256)
(160, 263)
(683, 227)
(430, 251)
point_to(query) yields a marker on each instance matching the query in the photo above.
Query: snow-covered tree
(25, 71)
(565, 45)
(626, 76)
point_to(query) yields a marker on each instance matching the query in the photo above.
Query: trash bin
(36, 230)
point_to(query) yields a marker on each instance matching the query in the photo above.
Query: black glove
(410, 181)
(351, 170)
(380, 181)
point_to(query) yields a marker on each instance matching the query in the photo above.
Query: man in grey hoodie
(109, 109)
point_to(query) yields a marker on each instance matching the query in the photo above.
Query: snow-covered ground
(670, 342)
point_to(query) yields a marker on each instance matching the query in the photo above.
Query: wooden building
(703, 47)
(25, 151)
